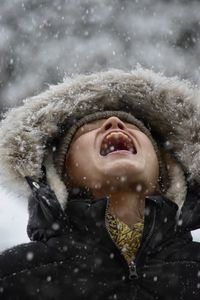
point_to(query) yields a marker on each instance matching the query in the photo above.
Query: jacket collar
(189, 217)
(160, 220)
(89, 215)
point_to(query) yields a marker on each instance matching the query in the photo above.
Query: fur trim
(55, 182)
(177, 186)
(168, 105)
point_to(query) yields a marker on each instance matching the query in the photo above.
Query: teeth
(117, 141)
(117, 136)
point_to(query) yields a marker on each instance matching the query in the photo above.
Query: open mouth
(117, 141)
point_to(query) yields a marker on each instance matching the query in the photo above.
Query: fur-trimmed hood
(168, 106)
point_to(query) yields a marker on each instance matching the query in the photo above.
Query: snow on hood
(170, 106)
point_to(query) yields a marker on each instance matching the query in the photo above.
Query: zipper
(133, 270)
(138, 255)
(132, 267)
(129, 266)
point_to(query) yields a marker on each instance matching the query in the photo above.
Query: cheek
(153, 166)
(74, 159)
(151, 159)
(78, 160)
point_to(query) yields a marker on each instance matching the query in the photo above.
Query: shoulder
(25, 256)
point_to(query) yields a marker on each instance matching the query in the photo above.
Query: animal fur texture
(169, 106)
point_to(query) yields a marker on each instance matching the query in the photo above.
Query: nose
(113, 123)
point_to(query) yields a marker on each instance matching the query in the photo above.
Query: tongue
(116, 145)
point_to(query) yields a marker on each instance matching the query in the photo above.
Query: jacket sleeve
(46, 216)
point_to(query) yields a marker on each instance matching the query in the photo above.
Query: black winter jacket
(74, 257)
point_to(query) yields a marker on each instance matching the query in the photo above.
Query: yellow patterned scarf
(127, 239)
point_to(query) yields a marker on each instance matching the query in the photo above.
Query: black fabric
(79, 260)
(190, 215)
(46, 217)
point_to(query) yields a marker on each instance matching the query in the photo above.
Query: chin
(125, 174)
(123, 168)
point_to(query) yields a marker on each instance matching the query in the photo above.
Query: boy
(112, 162)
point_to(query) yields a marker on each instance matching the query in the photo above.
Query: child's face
(110, 155)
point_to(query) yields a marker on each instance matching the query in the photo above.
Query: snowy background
(43, 41)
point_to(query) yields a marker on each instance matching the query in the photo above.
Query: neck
(128, 207)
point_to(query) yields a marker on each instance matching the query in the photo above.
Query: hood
(168, 106)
